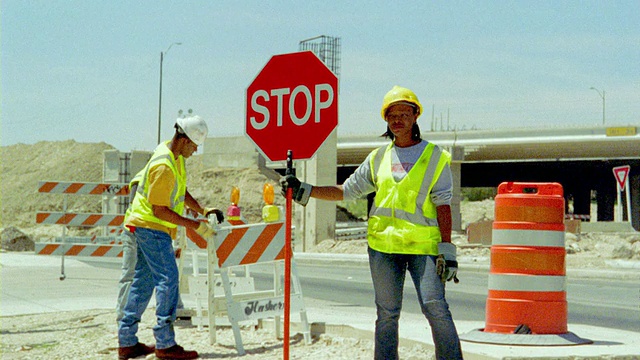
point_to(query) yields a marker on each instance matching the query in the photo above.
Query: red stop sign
(292, 105)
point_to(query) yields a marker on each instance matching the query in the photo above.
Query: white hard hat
(194, 127)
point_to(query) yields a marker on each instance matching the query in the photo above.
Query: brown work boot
(176, 352)
(130, 352)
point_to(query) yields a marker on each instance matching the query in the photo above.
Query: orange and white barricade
(196, 284)
(82, 188)
(79, 219)
(69, 249)
(242, 245)
(110, 221)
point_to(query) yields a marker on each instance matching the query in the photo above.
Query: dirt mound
(15, 240)
(23, 166)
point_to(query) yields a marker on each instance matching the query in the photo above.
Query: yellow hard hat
(399, 94)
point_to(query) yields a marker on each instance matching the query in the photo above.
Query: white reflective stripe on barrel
(528, 237)
(510, 282)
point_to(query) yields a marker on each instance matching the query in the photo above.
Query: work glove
(217, 212)
(300, 190)
(446, 264)
(205, 230)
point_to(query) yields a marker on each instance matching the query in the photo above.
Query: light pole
(160, 92)
(602, 96)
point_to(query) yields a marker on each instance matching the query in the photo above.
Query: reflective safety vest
(403, 219)
(141, 208)
(133, 189)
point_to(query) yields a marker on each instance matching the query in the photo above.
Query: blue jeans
(388, 274)
(155, 268)
(129, 258)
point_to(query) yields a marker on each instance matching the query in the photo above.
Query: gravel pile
(91, 334)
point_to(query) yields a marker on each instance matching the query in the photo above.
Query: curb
(347, 331)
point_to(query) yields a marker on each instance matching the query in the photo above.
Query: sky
(89, 70)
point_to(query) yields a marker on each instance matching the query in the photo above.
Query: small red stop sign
(292, 105)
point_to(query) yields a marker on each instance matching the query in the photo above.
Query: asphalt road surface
(31, 284)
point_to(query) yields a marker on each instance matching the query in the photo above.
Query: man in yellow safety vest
(156, 212)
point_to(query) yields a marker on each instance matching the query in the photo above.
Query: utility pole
(602, 95)
(160, 91)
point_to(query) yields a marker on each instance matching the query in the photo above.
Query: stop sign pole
(287, 261)
(291, 108)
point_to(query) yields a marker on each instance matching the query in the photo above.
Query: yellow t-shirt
(161, 182)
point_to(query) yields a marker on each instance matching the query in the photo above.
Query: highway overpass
(579, 158)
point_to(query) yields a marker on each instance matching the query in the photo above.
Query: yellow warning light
(235, 195)
(267, 194)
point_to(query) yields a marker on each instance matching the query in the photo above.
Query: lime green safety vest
(403, 218)
(133, 189)
(141, 208)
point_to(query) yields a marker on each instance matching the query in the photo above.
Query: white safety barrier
(110, 221)
(69, 249)
(236, 247)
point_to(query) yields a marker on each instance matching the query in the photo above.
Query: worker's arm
(195, 206)
(332, 193)
(302, 191)
(192, 203)
(166, 214)
(357, 186)
(443, 213)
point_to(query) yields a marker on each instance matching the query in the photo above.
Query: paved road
(611, 303)
(30, 284)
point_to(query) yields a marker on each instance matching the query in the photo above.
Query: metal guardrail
(88, 240)
(358, 233)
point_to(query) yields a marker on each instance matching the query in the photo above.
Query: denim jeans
(155, 268)
(388, 274)
(129, 257)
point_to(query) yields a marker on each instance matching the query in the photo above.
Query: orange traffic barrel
(527, 283)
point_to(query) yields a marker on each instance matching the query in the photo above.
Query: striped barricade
(80, 188)
(527, 285)
(64, 218)
(70, 249)
(248, 244)
(196, 242)
(79, 219)
(245, 245)
(585, 218)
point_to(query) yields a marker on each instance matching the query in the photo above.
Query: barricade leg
(211, 261)
(306, 332)
(234, 322)
(277, 291)
(198, 286)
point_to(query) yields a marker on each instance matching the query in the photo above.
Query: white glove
(448, 251)
(205, 230)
